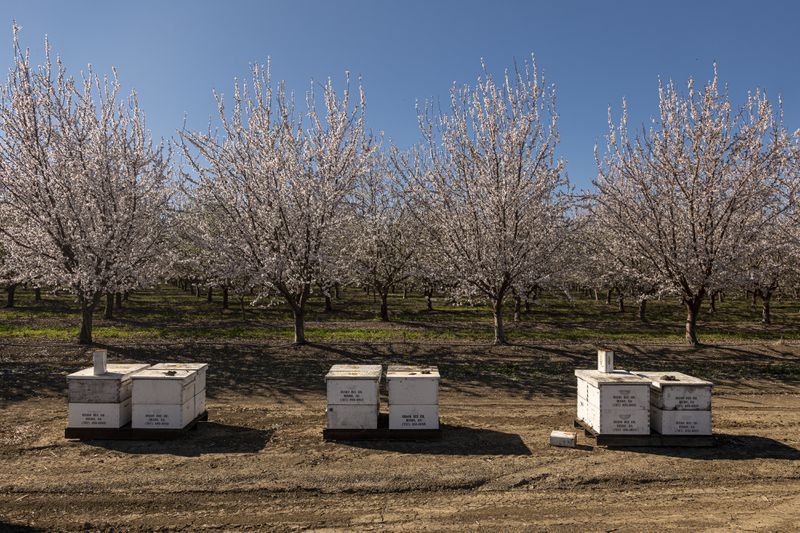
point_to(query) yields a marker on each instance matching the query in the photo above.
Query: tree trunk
(87, 308)
(328, 304)
(643, 309)
(225, 297)
(527, 305)
(11, 292)
(429, 299)
(241, 306)
(118, 300)
(210, 295)
(517, 307)
(108, 312)
(720, 297)
(712, 305)
(384, 306)
(499, 332)
(299, 326)
(596, 295)
(37, 294)
(405, 292)
(753, 300)
(692, 313)
(621, 303)
(608, 297)
(766, 315)
(336, 293)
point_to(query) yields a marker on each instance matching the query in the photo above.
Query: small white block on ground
(353, 384)
(163, 387)
(413, 416)
(167, 416)
(681, 422)
(200, 368)
(352, 417)
(99, 415)
(565, 439)
(412, 385)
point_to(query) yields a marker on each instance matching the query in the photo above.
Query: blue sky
(596, 53)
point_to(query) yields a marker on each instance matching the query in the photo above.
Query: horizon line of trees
(284, 200)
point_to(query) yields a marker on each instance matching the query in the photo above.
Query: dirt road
(260, 461)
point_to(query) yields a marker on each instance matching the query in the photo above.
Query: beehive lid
(665, 379)
(372, 372)
(407, 371)
(151, 373)
(118, 371)
(180, 366)
(617, 377)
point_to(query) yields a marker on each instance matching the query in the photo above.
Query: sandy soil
(260, 461)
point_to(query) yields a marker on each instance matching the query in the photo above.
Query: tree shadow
(10, 527)
(208, 437)
(728, 447)
(456, 440)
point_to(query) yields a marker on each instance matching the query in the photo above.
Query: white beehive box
(163, 416)
(200, 368)
(605, 360)
(199, 403)
(677, 391)
(352, 416)
(99, 415)
(163, 387)
(353, 385)
(412, 385)
(403, 416)
(614, 403)
(681, 422)
(84, 386)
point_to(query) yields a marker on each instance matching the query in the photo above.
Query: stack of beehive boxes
(679, 404)
(353, 396)
(100, 396)
(163, 398)
(201, 370)
(613, 402)
(413, 397)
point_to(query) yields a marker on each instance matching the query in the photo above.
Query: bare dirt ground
(260, 461)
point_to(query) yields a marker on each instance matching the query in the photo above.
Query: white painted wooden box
(99, 415)
(614, 403)
(163, 416)
(199, 403)
(162, 387)
(677, 391)
(412, 385)
(352, 416)
(84, 386)
(402, 416)
(353, 385)
(564, 439)
(605, 360)
(677, 422)
(200, 368)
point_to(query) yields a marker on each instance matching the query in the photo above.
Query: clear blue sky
(174, 52)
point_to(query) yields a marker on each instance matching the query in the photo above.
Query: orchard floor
(260, 461)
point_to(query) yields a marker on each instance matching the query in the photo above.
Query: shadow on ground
(730, 447)
(209, 437)
(456, 440)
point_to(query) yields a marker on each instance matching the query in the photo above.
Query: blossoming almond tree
(489, 183)
(279, 182)
(687, 196)
(81, 185)
(383, 238)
